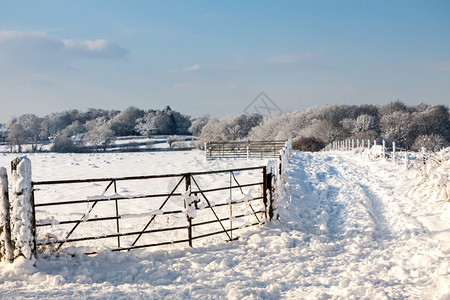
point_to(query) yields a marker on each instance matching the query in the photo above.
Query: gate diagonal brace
(209, 204)
(83, 217)
(161, 207)
(242, 192)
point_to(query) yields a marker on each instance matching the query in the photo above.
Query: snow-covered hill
(347, 230)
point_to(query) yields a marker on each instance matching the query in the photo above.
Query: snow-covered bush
(432, 180)
(310, 144)
(432, 142)
(64, 144)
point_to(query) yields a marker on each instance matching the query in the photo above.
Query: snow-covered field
(347, 230)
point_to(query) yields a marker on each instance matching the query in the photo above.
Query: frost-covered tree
(198, 124)
(74, 129)
(124, 123)
(392, 107)
(327, 131)
(239, 127)
(100, 137)
(398, 127)
(433, 120)
(25, 129)
(166, 121)
(56, 122)
(16, 136)
(212, 131)
(273, 128)
(145, 125)
(229, 128)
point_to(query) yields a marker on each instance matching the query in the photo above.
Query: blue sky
(215, 57)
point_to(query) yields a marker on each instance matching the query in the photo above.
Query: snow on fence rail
(243, 149)
(137, 212)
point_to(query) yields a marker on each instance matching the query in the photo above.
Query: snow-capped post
(393, 152)
(22, 209)
(424, 160)
(406, 159)
(6, 245)
(384, 149)
(353, 144)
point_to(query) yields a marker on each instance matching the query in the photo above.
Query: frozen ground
(346, 231)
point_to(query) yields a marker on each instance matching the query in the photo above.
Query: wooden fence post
(406, 159)
(22, 209)
(6, 245)
(393, 152)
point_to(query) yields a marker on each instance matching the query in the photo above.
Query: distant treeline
(311, 129)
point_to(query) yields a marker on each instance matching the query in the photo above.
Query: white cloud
(30, 49)
(193, 68)
(94, 48)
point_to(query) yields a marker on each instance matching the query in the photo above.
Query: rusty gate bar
(191, 186)
(108, 236)
(52, 182)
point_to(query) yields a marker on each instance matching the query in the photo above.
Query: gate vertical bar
(33, 220)
(117, 216)
(270, 200)
(187, 179)
(265, 190)
(231, 209)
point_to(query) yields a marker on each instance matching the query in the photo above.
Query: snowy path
(375, 247)
(345, 233)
